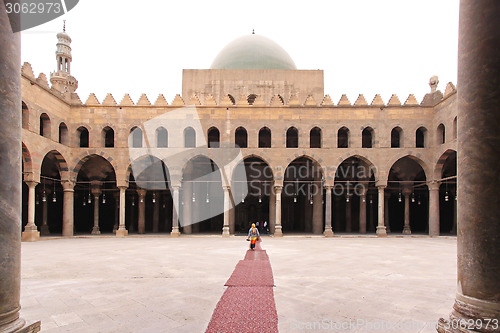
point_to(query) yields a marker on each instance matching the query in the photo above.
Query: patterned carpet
(247, 305)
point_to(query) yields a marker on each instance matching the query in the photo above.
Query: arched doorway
(448, 194)
(355, 197)
(252, 192)
(95, 186)
(202, 197)
(408, 197)
(149, 197)
(302, 197)
(48, 211)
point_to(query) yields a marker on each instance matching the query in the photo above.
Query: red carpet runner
(247, 305)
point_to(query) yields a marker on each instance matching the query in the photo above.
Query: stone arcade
(312, 165)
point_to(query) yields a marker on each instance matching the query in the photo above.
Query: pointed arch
(83, 137)
(343, 137)
(367, 137)
(441, 134)
(213, 137)
(264, 137)
(315, 137)
(292, 137)
(189, 137)
(397, 137)
(241, 137)
(108, 137)
(45, 128)
(161, 137)
(63, 134)
(135, 137)
(421, 137)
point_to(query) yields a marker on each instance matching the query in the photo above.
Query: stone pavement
(163, 284)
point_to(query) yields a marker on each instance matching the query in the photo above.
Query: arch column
(328, 212)
(141, 222)
(175, 214)
(227, 207)
(407, 228)
(272, 211)
(362, 211)
(31, 232)
(381, 230)
(434, 209)
(277, 228)
(478, 240)
(68, 208)
(387, 196)
(317, 216)
(122, 230)
(96, 192)
(10, 173)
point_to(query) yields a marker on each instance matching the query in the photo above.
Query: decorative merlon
(178, 101)
(109, 100)
(327, 101)
(394, 100)
(143, 101)
(411, 100)
(344, 100)
(161, 101)
(259, 101)
(276, 101)
(92, 100)
(310, 101)
(361, 100)
(226, 101)
(294, 100)
(194, 100)
(377, 101)
(450, 89)
(127, 101)
(27, 70)
(42, 80)
(210, 100)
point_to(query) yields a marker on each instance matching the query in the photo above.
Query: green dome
(253, 52)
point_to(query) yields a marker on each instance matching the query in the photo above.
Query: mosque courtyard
(164, 284)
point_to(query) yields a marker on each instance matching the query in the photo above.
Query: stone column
(406, 194)
(381, 230)
(362, 212)
(10, 173)
(141, 222)
(386, 211)
(96, 193)
(478, 98)
(277, 229)
(227, 206)
(31, 232)
(453, 230)
(175, 214)
(232, 227)
(116, 225)
(348, 213)
(187, 219)
(156, 212)
(122, 230)
(434, 209)
(68, 208)
(44, 228)
(272, 211)
(328, 212)
(317, 225)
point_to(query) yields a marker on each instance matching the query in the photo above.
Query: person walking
(253, 235)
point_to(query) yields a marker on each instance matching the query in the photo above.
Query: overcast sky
(363, 46)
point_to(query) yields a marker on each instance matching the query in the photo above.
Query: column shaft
(362, 214)
(407, 228)
(227, 207)
(30, 232)
(433, 209)
(478, 157)
(317, 225)
(44, 228)
(10, 173)
(272, 212)
(95, 229)
(68, 208)
(381, 230)
(175, 215)
(141, 222)
(122, 230)
(328, 212)
(277, 229)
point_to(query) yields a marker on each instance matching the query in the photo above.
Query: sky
(364, 46)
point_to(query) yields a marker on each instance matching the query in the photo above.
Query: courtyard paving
(163, 284)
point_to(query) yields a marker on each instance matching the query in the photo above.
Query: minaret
(61, 79)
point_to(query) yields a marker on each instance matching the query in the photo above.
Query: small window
(265, 138)
(213, 138)
(109, 137)
(45, 125)
(136, 137)
(420, 137)
(343, 138)
(292, 138)
(315, 138)
(441, 134)
(83, 137)
(396, 137)
(189, 138)
(161, 137)
(241, 137)
(63, 134)
(367, 138)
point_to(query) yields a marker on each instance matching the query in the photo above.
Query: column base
(278, 232)
(121, 233)
(30, 236)
(406, 231)
(32, 328)
(225, 231)
(381, 231)
(328, 232)
(95, 231)
(175, 232)
(44, 230)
